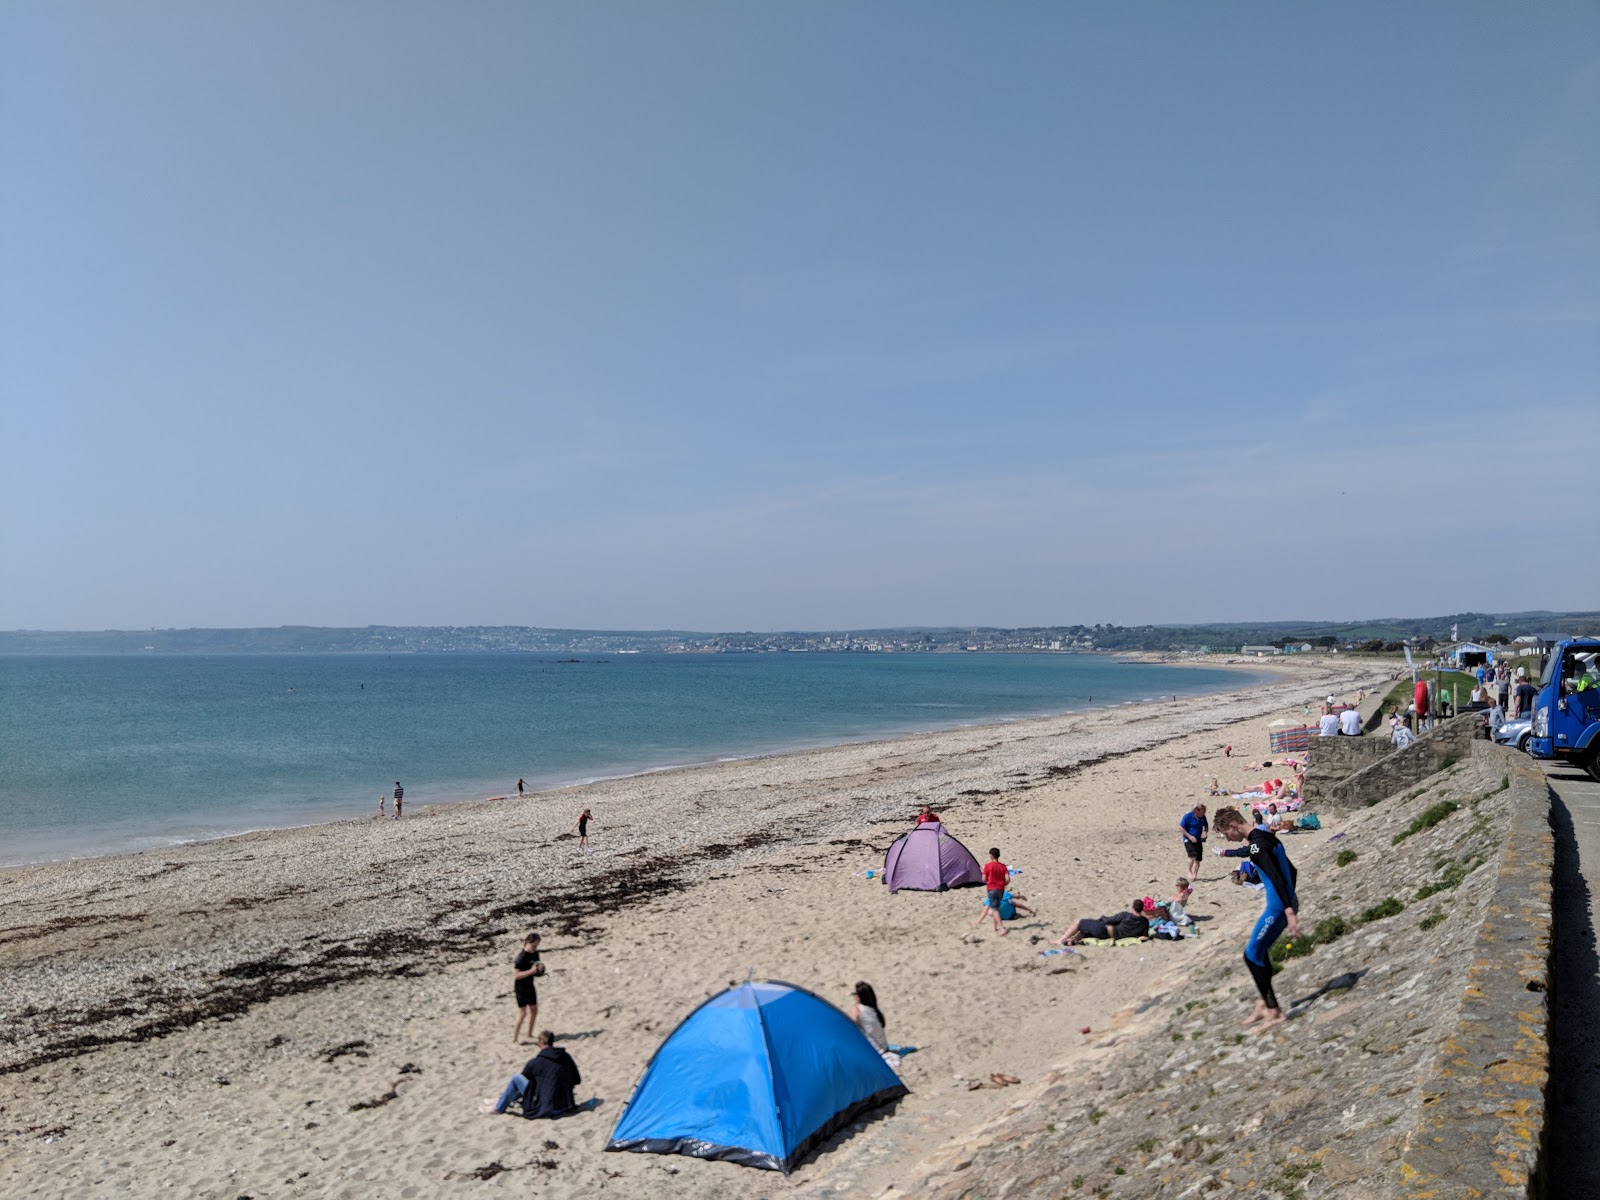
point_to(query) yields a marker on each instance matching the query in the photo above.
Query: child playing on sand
(1179, 901)
(383, 802)
(995, 874)
(583, 830)
(524, 970)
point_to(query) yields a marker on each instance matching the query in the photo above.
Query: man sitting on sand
(544, 1085)
(1123, 925)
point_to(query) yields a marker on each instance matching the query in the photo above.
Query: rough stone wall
(1447, 741)
(1483, 1104)
(1332, 760)
(1413, 1062)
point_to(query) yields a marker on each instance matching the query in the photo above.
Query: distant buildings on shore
(1247, 640)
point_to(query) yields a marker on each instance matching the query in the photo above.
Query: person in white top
(869, 1019)
(1350, 722)
(1328, 726)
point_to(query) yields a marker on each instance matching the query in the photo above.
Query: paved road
(1573, 1146)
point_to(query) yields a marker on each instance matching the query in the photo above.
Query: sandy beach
(319, 1012)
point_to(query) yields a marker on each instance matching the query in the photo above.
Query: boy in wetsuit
(1278, 874)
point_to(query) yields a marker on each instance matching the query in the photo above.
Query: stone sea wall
(1415, 1059)
(1483, 1104)
(1396, 770)
(1332, 760)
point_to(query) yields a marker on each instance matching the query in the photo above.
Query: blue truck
(1566, 712)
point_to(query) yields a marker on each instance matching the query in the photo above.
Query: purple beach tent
(929, 859)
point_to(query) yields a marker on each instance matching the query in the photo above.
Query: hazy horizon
(807, 317)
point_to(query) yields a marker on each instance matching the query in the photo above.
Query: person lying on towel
(1123, 925)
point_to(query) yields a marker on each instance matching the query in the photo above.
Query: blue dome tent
(757, 1075)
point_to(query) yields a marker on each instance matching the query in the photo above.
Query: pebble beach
(320, 1011)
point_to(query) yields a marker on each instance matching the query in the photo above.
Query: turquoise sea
(103, 755)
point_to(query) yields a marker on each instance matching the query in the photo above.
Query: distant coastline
(1210, 639)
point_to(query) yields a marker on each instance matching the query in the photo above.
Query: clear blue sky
(805, 315)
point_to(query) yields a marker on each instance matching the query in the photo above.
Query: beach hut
(929, 859)
(757, 1075)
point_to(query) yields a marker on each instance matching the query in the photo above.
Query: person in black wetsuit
(1283, 904)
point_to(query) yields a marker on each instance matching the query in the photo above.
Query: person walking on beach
(524, 970)
(1282, 909)
(995, 875)
(519, 787)
(383, 803)
(399, 796)
(1195, 827)
(583, 830)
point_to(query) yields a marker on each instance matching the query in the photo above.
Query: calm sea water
(102, 755)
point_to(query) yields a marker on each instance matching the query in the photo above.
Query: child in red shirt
(995, 875)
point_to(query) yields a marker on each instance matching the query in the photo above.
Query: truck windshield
(1549, 671)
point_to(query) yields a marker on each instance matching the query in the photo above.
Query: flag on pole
(1454, 636)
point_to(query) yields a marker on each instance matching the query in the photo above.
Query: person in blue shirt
(1195, 827)
(1282, 909)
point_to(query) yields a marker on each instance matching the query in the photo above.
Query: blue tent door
(756, 1075)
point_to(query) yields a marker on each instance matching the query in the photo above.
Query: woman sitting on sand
(864, 1011)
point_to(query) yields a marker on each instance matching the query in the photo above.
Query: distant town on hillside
(1385, 634)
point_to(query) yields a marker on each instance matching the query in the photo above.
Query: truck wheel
(1592, 763)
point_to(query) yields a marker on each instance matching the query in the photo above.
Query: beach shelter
(757, 1075)
(929, 859)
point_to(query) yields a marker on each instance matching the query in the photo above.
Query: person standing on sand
(583, 830)
(519, 787)
(399, 795)
(1278, 875)
(1195, 827)
(995, 875)
(524, 970)
(383, 803)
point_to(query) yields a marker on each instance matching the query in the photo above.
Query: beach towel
(1109, 942)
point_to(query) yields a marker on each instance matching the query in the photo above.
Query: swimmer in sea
(1278, 874)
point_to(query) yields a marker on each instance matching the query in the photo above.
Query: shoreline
(159, 843)
(296, 1007)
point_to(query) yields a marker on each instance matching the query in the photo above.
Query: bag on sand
(1309, 821)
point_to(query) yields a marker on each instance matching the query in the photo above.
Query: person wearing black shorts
(1195, 827)
(1121, 925)
(524, 971)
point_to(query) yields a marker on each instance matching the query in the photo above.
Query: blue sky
(806, 315)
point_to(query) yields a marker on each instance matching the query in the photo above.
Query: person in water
(1282, 910)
